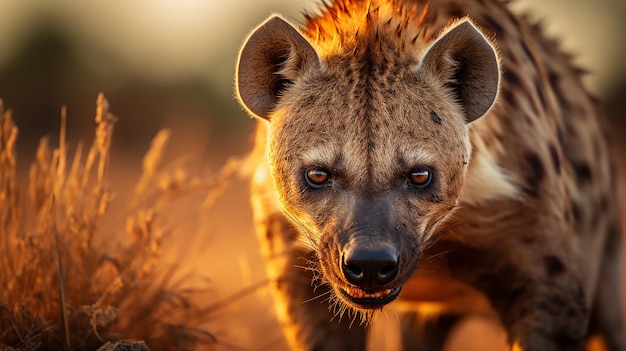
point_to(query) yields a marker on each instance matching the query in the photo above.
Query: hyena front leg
(541, 304)
(303, 312)
(607, 315)
(547, 317)
(426, 333)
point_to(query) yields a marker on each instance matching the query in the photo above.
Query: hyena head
(368, 139)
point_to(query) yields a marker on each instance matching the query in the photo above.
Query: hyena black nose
(370, 266)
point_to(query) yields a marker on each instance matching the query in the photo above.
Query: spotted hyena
(432, 151)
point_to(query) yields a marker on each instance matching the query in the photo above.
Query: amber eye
(316, 178)
(420, 178)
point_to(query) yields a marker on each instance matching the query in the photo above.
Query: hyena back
(436, 150)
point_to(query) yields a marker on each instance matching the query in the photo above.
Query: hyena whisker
(432, 258)
(433, 239)
(353, 319)
(306, 268)
(450, 227)
(324, 294)
(437, 221)
(308, 232)
(335, 307)
(366, 317)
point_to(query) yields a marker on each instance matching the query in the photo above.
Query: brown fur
(521, 211)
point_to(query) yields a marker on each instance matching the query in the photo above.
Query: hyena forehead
(338, 123)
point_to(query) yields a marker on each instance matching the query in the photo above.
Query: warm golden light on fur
(342, 22)
(373, 94)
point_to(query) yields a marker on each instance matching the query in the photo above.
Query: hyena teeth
(361, 294)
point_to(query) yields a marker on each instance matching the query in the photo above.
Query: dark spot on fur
(269, 236)
(511, 77)
(613, 241)
(371, 145)
(494, 26)
(563, 340)
(583, 172)
(554, 266)
(563, 103)
(435, 117)
(576, 212)
(528, 53)
(540, 94)
(456, 11)
(454, 176)
(536, 176)
(560, 137)
(556, 160)
(508, 96)
(554, 79)
(499, 136)
(555, 82)
(604, 203)
(310, 100)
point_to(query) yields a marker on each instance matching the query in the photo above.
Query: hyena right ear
(273, 57)
(468, 63)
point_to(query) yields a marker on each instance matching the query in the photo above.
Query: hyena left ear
(273, 56)
(468, 63)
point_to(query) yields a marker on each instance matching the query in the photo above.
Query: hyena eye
(317, 177)
(420, 178)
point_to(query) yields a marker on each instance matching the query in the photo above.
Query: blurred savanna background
(164, 172)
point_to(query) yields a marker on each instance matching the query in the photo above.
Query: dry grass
(60, 287)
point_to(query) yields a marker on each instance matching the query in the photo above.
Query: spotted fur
(522, 210)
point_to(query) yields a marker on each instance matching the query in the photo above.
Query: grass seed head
(65, 289)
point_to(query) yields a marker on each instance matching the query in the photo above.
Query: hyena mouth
(369, 300)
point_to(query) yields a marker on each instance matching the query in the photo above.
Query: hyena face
(368, 144)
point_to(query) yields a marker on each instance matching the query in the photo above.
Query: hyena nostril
(370, 267)
(353, 273)
(388, 273)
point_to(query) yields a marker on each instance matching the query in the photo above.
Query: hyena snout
(370, 263)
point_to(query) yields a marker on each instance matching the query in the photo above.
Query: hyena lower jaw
(360, 299)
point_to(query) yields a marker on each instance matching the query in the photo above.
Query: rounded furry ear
(468, 63)
(273, 56)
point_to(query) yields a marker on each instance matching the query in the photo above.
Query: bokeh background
(170, 63)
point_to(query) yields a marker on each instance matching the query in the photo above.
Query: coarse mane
(342, 24)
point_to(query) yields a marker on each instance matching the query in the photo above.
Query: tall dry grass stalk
(59, 289)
